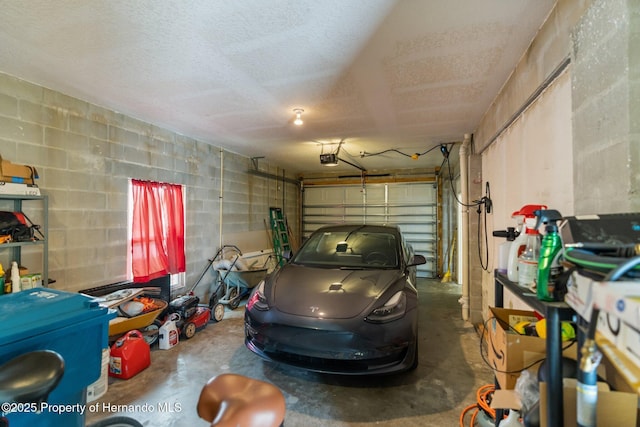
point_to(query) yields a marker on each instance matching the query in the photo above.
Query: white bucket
(99, 388)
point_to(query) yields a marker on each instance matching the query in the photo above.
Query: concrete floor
(450, 371)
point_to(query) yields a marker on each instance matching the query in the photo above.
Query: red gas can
(130, 354)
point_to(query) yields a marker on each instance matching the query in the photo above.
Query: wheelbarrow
(234, 283)
(145, 322)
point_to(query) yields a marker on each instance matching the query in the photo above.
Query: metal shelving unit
(554, 312)
(17, 203)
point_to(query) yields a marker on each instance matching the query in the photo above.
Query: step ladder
(279, 235)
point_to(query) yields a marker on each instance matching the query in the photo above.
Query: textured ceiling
(380, 75)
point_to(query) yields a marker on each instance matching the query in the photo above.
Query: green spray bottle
(548, 267)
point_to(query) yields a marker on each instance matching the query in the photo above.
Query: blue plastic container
(69, 323)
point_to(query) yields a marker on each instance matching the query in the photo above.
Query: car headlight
(257, 299)
(393, 309)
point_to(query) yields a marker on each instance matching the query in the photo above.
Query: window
(156, 231)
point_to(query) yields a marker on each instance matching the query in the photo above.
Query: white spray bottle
(519, 244)
(528, 260)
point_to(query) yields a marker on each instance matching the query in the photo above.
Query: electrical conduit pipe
(220, 197)
(464, 268)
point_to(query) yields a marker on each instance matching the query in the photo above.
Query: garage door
(411, 206)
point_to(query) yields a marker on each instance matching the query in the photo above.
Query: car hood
(328, 293)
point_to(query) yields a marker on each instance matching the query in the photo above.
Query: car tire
(416, 357)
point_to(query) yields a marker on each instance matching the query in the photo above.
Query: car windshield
(353, 248)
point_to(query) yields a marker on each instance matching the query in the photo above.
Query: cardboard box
(629, 342)
(583, 293)
(629, 311)
(619, 317)
(19, 189)
(16, 173)
(621, 299)
(580, 295)
(609, 325)
(30, 281)
(621, 372)
(614, 408)
(506, 399)
(508, 351)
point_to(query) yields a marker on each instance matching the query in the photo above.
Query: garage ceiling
(379, 75)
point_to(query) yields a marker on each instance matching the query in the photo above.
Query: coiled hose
(483, 403)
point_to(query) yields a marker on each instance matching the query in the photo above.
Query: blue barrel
(70, 324)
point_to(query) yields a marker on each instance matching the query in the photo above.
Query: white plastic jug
(512, 419)
(515, 250)
(503, 256)
(15, 277)
(169, 335)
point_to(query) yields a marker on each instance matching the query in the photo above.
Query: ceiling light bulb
(298, 121)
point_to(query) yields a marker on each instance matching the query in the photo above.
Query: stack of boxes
(30, 281)
(18, 179)
(618, 321)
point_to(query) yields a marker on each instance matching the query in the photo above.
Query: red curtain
(157, 240)
(174, 236)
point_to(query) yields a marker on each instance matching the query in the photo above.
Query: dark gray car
(345, 303)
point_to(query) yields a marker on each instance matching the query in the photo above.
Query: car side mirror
(287, 254)
(342, 247)
(417, 260)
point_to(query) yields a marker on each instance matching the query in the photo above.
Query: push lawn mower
(191, 315)
(189, 318)
(198, 319)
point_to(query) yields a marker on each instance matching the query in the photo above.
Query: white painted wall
(531, 162)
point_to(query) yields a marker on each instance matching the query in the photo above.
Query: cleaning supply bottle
(15, 277)
(549, 267)
(518, 245)
(516, 248)
(503, 250)
(528, 261)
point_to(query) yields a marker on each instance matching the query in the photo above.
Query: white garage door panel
(411, 206)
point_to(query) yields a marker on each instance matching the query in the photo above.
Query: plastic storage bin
(71, 324)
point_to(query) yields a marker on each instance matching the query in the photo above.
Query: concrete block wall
(547, 51)
(85, 155)
(606, 108)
